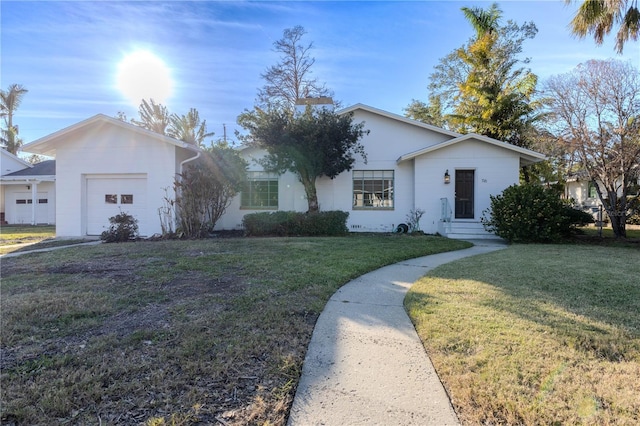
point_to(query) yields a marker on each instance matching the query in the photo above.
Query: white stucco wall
(495, 169)
(100, 151)
(388, 139)
(418, 182)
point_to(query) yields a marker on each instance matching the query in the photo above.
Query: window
(592, 190)
(111, 199)
(260, 191)
(373, 189)
(126, 199)
(43, 201)
(24, 201)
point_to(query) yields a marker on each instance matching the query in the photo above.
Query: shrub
(124, 227)
(287, 223)
(413, 220)
(531, 213)
(634, 211)
(205, 189)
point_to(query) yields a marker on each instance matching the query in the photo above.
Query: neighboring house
(410, 165)
(582, 192)
(27, 191)
(105, 166)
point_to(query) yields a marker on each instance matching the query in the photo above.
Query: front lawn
(536, 334)
(173, 331)
(24, 234)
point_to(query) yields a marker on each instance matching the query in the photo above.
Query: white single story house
(27, 191)
(410, 165)
(105, 165)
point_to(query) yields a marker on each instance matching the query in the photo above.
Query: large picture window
(373, 189)
(260, 191)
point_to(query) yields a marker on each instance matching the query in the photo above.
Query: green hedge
(287, 223)
(531, 213)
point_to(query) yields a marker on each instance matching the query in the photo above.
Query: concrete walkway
(20, 253)
(365, 364)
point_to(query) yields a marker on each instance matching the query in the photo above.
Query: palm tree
(598, 17)
(9, 102)
(189, 128)
(153, 116)
(484, 21)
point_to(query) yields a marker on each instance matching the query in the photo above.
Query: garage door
(109, 196)
(23, 212)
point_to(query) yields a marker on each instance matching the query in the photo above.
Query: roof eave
(46, 144)
(397, 117)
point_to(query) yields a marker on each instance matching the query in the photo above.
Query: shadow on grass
(588, 295)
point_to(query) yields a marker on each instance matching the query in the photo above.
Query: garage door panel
(107, 197)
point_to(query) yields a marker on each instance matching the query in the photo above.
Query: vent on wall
(356, 226)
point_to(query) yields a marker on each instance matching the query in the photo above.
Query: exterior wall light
(447, 178)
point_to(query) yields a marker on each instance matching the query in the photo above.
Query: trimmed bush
(531, 213)
(288, 224)
(124, 227)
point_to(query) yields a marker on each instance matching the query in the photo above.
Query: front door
(464, 193)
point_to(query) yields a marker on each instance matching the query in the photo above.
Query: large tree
(596, 110)
(313, 144)
(10, 100)
(290, 79)
(598, 17)
(482, 86)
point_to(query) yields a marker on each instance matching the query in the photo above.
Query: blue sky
(378, 53)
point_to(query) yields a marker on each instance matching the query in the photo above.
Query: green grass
(20, 234)
(16, 238)
(608, 232)
(173, 331)
(536, 334)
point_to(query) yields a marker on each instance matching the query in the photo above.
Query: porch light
(447, 178)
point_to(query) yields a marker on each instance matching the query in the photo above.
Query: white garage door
(23, 212)
(109, 196)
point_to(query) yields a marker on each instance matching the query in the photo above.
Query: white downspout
(182, 163)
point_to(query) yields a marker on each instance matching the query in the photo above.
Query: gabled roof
(11, 157)
(47, 145)
(398, 118)
(44, 171)
(43, 168)
(527, 156)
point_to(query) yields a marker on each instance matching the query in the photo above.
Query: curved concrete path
(365, 364)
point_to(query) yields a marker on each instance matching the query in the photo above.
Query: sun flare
(142, 75)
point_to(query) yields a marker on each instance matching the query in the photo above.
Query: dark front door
(464, 194)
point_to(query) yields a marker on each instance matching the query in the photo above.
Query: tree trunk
(312, 196)
(616, 209)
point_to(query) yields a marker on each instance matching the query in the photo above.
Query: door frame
(464, 208)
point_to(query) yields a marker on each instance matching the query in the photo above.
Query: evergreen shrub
(289, 223)
(530, 213)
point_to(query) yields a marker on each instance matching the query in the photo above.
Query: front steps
(465, 230)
